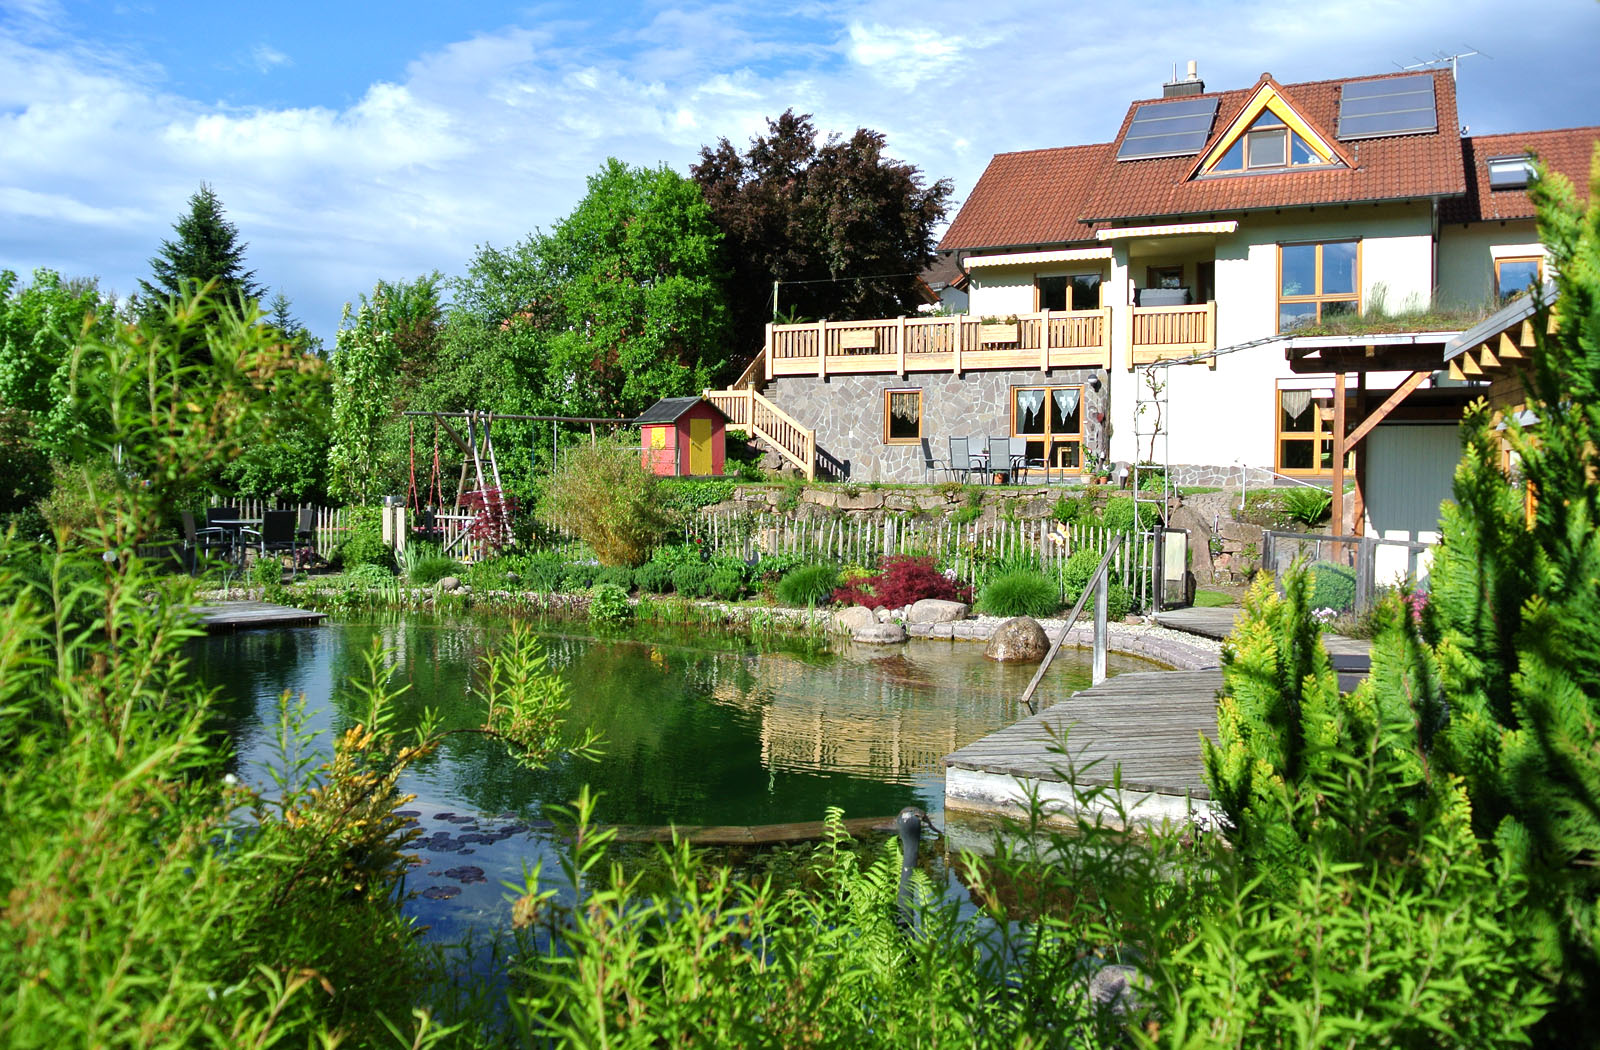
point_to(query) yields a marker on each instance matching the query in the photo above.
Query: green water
(695, 730)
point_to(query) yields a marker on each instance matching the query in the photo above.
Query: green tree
(364, 390)
(280, 317)
(206, 249)
(845, 227)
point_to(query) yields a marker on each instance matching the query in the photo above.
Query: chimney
(1189, 85)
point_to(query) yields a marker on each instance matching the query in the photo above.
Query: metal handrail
(1101, 583)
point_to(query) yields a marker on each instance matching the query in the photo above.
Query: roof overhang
(1402, 352)
(1172, 229)
(1501, 340)
(1035, 258)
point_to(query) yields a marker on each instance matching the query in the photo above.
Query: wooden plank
(216, 617)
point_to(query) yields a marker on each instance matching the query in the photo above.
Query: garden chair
(277, 534)
(198, 542)
(305, 534)
(930, 462)
(962, 462)
(1000, 464)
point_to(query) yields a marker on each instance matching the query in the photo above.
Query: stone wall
(847, 413)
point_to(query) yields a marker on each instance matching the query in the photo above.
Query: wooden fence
(968, 548)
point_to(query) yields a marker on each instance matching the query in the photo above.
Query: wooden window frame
(1538, 262)
(1152, 273)
(1321, 299)
(1049, 438)
(888, 415)
(1322, 432)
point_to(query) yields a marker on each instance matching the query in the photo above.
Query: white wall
(1001, 290)
(1466, 257)
(1217, 417)
(1409, 473)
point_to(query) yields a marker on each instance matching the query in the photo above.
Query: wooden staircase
(749, 410)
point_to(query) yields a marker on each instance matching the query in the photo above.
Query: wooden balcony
(962, 343)
(1159, 333)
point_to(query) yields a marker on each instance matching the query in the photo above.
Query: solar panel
(1168, 129)
(1371, 109)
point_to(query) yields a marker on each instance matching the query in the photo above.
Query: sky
(356, 142)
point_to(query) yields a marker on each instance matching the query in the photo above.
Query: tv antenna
(1440, 58)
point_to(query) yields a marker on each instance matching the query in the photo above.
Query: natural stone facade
(847, 414)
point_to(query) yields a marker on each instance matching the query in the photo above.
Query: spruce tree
(206, 249)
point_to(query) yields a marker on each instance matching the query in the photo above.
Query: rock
(1237, 534)
(886, 615)
(1018, 640)
(854, 618)
(879, 634)
(1117, 988)
(937, 610)
(449, 583)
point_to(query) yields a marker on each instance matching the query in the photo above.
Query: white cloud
(266, 58)
(905, 56)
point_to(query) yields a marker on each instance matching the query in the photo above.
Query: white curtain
(1295, 402)
(1067, 401)
(1029, 404)
(904, 407)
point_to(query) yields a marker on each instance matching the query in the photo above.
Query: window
(1077, 291)
(1317, 282)
(1512, 276)
(1510, 173)
(1268, 143)
(1049, 422)
(1163, 277)
(902, 417)
(1305, 432)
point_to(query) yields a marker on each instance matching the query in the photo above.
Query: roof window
(1510, 173)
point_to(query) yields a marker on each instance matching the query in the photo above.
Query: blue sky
(356, 142)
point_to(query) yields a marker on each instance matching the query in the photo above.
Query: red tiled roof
(1031, 197)
(1052, 196)
(1394, 168)
(1566, 151)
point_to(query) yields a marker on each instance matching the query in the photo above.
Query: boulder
(1237, 534)
(937, 610)
(854, 618)
(449, 583)
(1018, 640)
(879, 634)
(886, 615)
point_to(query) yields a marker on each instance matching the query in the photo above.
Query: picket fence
(967, 547)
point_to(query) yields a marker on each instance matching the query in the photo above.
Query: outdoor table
(234, 525)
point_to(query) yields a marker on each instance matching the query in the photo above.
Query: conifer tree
(206, 249)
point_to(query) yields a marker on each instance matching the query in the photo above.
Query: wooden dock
(753, 834)
(220, 617)
(1149, 725)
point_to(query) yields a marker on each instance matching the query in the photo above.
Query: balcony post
(1044, 340)
(900, 345)
(822, 349)
(955, 348)
(770, 351)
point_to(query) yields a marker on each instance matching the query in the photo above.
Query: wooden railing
(1161, 332)
(1044, 340)
(763, 419)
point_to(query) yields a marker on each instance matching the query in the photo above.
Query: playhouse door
(700, 446)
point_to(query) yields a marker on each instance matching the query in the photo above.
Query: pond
(695, 729)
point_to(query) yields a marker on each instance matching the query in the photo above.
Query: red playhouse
(683, 436)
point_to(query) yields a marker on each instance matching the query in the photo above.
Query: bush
(902, 580)
(424, 564)
(618, 576)
(1021, 593)
(966, 515)
(1308, 506)
(808, 585)
(609, 605)
(602, 495)
(1070, 508)
(1332, 586)
(1080, 566)
(267, 572)
(653, 577)
(370, 574)
(692, 579)
(1119, 602)
(576, 576)
(686, 495)
(727, 582)
(543, 572)
(364, 544)
(1118, 514)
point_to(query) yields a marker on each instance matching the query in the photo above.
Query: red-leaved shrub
(902, 580)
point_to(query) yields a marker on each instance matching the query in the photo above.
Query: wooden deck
(1149, 725)
(1209, 623)
(218, 617)
(753, 834)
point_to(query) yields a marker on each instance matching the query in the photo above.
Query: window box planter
(858, 339)
(997, 333)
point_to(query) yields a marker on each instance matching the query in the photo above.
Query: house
(1176, 295)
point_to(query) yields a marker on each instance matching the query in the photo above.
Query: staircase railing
(1100, 586)
(766, 421)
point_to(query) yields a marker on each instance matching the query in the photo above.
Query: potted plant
(997, 329)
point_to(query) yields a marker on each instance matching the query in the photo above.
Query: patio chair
(962, 462)
(305, 534)
(277, 534)
(1000, 458)
(930, 462)
(198, 542)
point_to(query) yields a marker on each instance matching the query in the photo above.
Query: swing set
(477, 518)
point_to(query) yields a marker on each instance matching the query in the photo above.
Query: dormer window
(1510, 173)
(1267, 144)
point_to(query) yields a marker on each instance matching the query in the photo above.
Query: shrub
(1119, 602)
(808, 585)
(370, 574)
(1332, 586)
(966, 515)
(576, 576)
(1069, 508)
(267, 572)
(1079, 568)
(653, 577)
(727, 582)
(619, 576)
(491, 574)
(1118, 514)
(609, 605)
(1020, 593)
(901, 580)
(1307, 505)
(602, 495)
(364, 544)
(543, 572)
(688, 495)
(692, 579)
(425, 565)
(774, 566)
